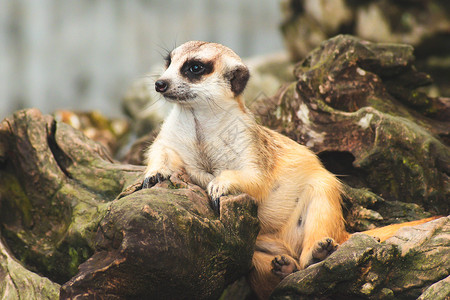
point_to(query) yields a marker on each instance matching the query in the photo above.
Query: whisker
(150, 76)
(165, 49)
(209, 104)
(149, 107)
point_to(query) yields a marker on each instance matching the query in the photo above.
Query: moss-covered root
(166, 243)
(353, 104)
(54, 185)
(438, 291)
(16, 282)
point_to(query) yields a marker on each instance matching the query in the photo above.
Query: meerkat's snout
(161, 86)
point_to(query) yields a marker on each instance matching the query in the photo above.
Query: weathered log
(166, 243)
(58, 207)
(16, 282)
(401, 268)
(352, 104)
(54, 188)
(422, 24)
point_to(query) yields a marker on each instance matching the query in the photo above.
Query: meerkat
(214, 137)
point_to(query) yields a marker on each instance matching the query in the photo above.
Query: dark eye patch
(194, 69)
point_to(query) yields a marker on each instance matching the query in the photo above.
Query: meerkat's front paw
(151, 180)
(217, 189)
(282, 266)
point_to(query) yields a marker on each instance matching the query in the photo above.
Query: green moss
(12, 189)
(74, 261)
(174, 186)
(20, 283)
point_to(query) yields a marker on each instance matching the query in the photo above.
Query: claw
(215, 203)
(152, 180)
(147, 183)
(159, 177)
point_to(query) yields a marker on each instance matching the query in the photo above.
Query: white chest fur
(208, 141)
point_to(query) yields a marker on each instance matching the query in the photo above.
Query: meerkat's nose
(161, 86)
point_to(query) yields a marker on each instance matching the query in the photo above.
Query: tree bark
(59, 206)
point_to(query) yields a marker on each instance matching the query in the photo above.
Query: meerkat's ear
(238, 78)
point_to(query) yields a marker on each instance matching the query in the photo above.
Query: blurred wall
(84, 54)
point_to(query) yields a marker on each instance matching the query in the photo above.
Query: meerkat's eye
(197, 68)
(194, 70)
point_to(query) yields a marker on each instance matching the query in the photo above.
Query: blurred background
(87, 54)
(84, 54)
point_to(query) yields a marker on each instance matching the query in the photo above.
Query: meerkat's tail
(383, 233)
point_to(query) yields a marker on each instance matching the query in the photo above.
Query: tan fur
(217, 141)
(383, 233)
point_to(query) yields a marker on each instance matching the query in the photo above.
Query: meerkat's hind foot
(283, 265)
(152, 180)
(323, 248)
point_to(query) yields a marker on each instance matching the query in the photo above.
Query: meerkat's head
(197, 72)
